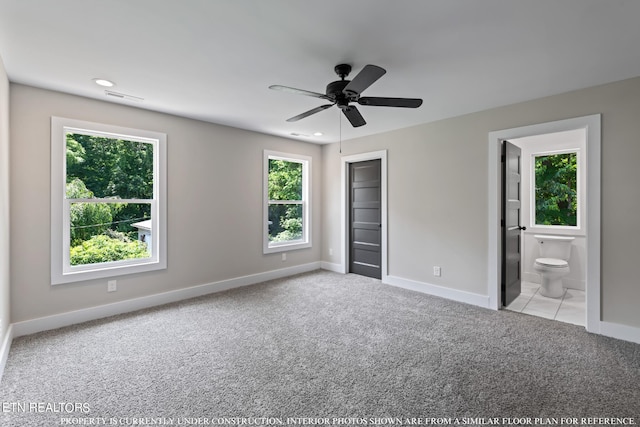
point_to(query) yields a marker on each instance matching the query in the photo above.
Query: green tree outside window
(285, 200)
(556, 189)
(114, 169)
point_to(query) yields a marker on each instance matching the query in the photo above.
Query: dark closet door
(365, 218)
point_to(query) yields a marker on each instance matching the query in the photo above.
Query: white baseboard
(27, 327)
(4, 349)
(621, 332)
(439, 291)
(331, 266)
(55, 321)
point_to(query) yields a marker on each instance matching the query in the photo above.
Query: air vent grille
(123, 96)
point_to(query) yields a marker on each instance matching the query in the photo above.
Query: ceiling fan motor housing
(334, 91)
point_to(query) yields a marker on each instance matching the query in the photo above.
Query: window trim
(532, 205)
(61, 270)
(305, 242)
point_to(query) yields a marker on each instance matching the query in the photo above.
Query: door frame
(592, 126)
(344, 212)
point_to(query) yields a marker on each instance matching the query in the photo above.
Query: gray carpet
(317, 345)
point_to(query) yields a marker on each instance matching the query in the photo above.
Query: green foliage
(75, 153)
(102, 248)
(285, 183)
(87, 219)
(113, 168)
(101, 167)
(285, 180)
(285, 236)
(556, 189)
(286, 223)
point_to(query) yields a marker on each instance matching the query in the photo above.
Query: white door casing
(344, 197)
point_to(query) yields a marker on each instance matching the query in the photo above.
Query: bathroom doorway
(589, 259)
(553, 193)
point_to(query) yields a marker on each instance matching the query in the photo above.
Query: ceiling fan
(343, 92)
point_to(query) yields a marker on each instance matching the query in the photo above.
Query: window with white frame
(108, 200)
(556, 195)
(287, 206)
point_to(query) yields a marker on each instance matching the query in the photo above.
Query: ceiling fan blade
(364, 79)
(354, 116)
(300, 91)
(310, 112)
(390, 102)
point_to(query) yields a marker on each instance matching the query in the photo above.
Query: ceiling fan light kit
(343, 92)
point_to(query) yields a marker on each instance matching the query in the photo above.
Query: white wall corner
(332, 266)
(439, 291)
(56, 321)
(4, 349)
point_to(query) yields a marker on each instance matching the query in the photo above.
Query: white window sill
(105, 271)
(286, 247)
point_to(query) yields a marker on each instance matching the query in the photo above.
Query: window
(556, 189)
(287, 209)
(107, 200)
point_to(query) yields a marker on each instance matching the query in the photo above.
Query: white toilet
(553, 264)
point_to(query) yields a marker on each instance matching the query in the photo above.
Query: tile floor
(569, 309)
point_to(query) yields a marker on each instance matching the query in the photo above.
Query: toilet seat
(552, 262)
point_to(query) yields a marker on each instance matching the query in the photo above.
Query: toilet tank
(558, 247)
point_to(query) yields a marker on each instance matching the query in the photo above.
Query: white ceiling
(215, 59)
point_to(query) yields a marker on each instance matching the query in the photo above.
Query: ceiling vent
(123, 96)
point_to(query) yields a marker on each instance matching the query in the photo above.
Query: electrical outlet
(112, 286)
(330, 252)
(284, 256)
(436, 271)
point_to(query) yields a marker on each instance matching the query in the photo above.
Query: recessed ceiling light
(318, 134)
(104, 82)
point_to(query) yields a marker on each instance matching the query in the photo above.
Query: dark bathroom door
(365, 252)
(511, 229)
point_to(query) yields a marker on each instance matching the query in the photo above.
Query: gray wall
(214, 210)
(4, 203)
(438, 186)
(438, 189)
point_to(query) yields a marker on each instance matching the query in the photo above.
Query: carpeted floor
(317, 345)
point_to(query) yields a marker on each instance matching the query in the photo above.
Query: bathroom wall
(541, 144)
